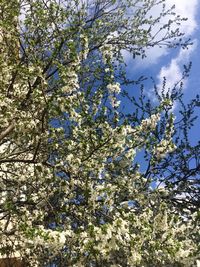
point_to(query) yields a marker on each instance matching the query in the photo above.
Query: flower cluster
(166, 145)
(114, 88)
(70, 190)
(107, 52)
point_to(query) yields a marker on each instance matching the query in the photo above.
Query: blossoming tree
(71, 192)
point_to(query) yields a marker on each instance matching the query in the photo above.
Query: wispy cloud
(184, 8)
(173, 71)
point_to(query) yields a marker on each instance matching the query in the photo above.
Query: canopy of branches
(71, 191)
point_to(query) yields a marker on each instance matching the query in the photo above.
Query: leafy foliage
(71, 190)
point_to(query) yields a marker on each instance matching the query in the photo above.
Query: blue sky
(163, 62)
(169, 62)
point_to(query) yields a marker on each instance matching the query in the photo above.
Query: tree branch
(7, 131)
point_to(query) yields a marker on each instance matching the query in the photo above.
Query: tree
(71, 192)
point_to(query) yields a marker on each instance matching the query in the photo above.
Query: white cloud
(184, 8)
(187, 9)
(173, 71)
